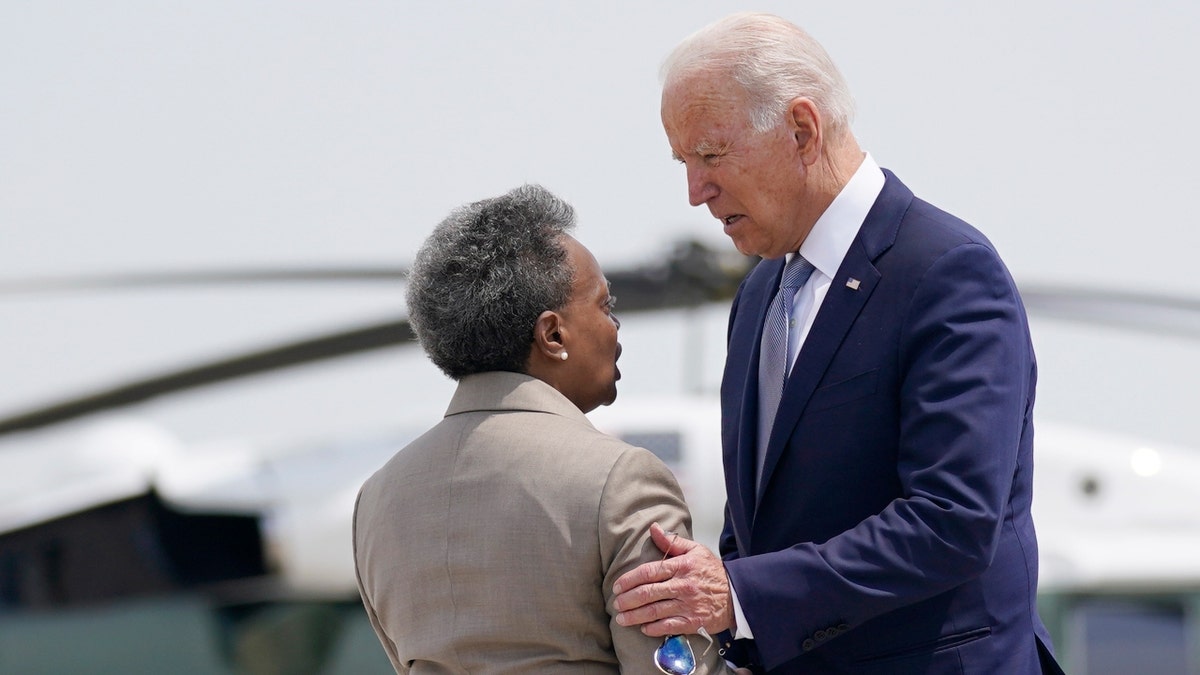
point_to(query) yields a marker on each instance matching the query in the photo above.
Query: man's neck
(828, 176)
(838, 166)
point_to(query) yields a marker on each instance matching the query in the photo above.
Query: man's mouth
(730, 220)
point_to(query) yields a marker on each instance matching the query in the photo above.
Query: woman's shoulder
(587, 448)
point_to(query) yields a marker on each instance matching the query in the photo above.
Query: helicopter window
(1125, 633)
(666, 445)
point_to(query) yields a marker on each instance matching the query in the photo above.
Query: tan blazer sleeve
(383, 638)
(641, 490)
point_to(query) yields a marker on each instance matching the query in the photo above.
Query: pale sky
(148, 136)
(153, 135)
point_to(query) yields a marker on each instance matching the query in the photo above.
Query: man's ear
(548, 334)
(806, 126)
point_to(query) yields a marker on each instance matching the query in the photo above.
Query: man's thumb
(667, 542)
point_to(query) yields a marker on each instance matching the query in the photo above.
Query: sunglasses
(674, 656)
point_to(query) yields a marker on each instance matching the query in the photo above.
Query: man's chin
(744, 247)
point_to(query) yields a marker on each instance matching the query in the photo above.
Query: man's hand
(680, 594)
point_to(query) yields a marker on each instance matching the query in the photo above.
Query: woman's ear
(548, 335)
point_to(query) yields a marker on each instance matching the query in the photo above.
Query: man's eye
(711, 159)
(611, 304)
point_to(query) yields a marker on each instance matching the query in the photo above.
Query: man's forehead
(713, 86)
(702, 106)
(700, 129)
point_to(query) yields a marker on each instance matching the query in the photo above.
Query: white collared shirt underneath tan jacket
(491, 543)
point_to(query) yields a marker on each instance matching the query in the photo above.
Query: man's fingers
(639, 577)
(678, 595)
(642, 593)
(661, 538)
(657, 619)
(669, 543)
(672, 626)
(636, 578)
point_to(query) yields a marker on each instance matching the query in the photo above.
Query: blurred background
(206, 210)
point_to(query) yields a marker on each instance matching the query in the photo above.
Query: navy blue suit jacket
(891, 532)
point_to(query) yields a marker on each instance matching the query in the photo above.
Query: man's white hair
(774, 60)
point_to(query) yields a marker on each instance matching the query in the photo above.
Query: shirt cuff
(742, 630)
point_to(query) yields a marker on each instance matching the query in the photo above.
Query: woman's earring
(562, 355)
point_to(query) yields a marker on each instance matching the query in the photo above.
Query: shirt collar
(826, 245)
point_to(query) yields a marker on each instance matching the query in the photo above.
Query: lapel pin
(852, 284)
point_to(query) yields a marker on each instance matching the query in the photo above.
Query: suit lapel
(838, 311)
(842, 304)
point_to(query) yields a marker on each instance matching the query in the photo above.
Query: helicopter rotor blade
(690, 275)
(1152, 313)
(232, 277)
(342, 343)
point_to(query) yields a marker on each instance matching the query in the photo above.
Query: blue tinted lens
(674, 656)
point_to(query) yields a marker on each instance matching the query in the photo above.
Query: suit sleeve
(640, 491)
(367, 604)
(964, 393)
(727, 544)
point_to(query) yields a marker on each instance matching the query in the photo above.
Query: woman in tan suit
(490, 544)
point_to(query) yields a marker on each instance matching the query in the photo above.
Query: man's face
(753, 182)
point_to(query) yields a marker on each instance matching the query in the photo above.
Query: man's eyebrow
(702, 148)
(708, 147)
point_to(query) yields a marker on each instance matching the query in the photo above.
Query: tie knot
(796, 272)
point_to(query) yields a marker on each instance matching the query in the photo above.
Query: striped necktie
(773, 358)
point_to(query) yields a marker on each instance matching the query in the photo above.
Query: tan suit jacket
(490, 544)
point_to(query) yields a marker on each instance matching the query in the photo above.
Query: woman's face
(589, 335)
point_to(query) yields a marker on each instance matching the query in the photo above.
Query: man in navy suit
(879, 522)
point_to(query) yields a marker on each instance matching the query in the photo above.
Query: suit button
(843, 627)
(808, 645)
(820, 636)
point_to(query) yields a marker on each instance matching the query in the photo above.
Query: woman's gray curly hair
(483, 277)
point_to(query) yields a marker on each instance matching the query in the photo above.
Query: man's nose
(700, 188)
